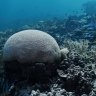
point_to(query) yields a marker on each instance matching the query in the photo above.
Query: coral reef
(75, 75)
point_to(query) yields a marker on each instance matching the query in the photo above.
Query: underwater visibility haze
(48, 48)
(15, 13)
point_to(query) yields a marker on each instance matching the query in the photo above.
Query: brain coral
(30, 46)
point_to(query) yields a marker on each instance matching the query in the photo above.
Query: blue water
(19, 12)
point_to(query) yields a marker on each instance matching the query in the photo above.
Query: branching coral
(82, 48)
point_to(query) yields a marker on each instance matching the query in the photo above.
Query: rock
(84, 95)
(33, 93)
(58, 94)
(43, 94)
(61, 73)
(62, 91)
(22, 93)
(49, 94)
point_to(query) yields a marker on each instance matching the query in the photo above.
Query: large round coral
(31, 46)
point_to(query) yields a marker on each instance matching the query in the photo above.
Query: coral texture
(30, 46)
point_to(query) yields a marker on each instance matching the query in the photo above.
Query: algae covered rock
(30, 46)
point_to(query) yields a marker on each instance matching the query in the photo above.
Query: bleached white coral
(31, 46)
(64, 52)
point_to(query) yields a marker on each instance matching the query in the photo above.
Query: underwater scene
(48, 48)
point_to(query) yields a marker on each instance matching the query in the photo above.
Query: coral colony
(50, 58)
